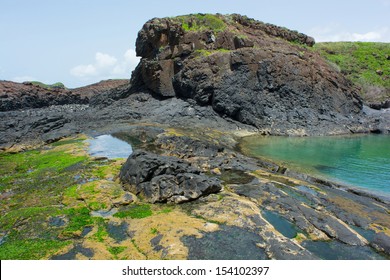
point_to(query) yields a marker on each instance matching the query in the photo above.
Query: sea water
(362, 161)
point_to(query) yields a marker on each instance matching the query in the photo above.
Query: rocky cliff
(255, 73)
(15, 96)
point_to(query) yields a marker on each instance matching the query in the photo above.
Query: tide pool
(109, 147)
(362, 161)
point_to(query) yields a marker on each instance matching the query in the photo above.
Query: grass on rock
(366, 64)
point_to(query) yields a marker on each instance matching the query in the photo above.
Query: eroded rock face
(258, 74)
(165, 179)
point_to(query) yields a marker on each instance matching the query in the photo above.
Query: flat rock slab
(229, 243)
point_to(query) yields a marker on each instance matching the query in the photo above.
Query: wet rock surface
(76, 250)
(237, 244)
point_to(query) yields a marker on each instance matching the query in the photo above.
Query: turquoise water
(281, 224)
(361, 161)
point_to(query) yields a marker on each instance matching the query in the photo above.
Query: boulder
(165, 179)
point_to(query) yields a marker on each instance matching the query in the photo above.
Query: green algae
(11, 219)
(101, 234)
(79, 218)
(116, 250)
(29, 249)
(55, 180)
(95, 205)
(135, 212)
(166, 209)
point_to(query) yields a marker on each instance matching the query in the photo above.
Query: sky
(79, 42)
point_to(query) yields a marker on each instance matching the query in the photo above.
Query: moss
(30, 249)
(135, 212)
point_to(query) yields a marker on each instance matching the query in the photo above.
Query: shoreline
(319, 210)
(302, 173)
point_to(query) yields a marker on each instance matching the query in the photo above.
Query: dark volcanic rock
(165, 179)
(230, 243)
(15, 96)
(101, 87)
(187, 147)
(248, 71)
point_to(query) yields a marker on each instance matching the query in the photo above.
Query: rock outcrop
(165, 179)
(258, 74)
(15, 96)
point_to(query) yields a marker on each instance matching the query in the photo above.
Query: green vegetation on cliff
(52, 86)
(367, 65)
(200, 22)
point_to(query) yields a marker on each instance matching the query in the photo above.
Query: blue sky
(79, 42)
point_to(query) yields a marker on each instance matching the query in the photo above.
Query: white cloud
(106, 66)
(82, 71)
(334, 33)
(104, 60)
(22, 79)
(127, 65)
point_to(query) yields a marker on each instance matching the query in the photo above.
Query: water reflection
(109, 147)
